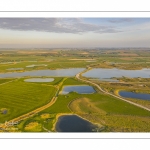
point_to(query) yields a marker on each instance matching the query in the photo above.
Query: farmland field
(20, 97)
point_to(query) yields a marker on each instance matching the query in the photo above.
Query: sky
(74, 32)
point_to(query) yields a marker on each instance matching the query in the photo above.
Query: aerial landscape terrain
(76, 88)
(37, 87)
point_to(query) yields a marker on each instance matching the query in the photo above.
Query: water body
(73, 123)
(9, 62)
(81, 89)
(39, 80)
(58, 73)
(142, 96)
(102, 73)
(110, 80)
(4, 111)
(15, 69)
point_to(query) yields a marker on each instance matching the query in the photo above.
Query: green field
(20, 97)
(5, 80)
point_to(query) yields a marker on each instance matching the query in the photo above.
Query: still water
(73, 123)
(127, 94)
(81, 89)
(57, 73)
(39, 80)
(11, 69)
(102, 73)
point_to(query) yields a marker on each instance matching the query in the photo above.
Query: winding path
(96, 85)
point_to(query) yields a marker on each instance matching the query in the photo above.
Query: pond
(142, 96)
(9, 62)
(102, 73)
(15, 69)
(73, 123)
(57, 73)
(81, 89)
(110, 80)
(39, 80)
(3, 111)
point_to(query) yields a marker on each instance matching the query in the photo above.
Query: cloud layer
(121, 20)
(56, 25)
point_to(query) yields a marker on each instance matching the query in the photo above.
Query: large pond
(142, 96)
(102, 73)
(73, 123)
(82, 89)
(57, 73)
(39, 80)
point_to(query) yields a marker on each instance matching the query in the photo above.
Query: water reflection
(73, 123)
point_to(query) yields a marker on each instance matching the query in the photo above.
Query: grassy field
(5, 80)
(20, 97)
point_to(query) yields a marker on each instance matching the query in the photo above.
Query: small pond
(142, 96)
(81, 89)
(110, 80)
(39, 80)
(4, 111)
(9, 62)
(15, 69)
(73, 123)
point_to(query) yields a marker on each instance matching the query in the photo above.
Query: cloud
(121, 20)
(57, 25)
